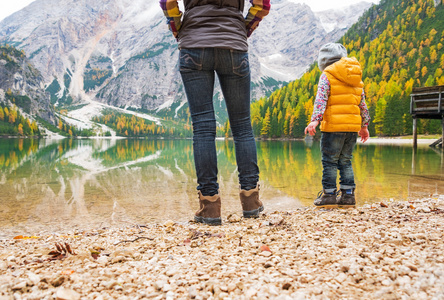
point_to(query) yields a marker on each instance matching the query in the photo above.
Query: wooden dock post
(415, 134)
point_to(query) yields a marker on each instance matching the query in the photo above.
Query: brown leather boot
(251, 204)
(209, 211)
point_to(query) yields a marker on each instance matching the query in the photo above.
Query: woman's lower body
(198, 68)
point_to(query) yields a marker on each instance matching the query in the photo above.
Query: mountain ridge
(120, 52)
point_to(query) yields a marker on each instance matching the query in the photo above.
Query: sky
(8, 7)
(318, 5)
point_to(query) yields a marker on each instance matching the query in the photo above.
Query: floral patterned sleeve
(321, 98)
(365, 115)
(321, 102)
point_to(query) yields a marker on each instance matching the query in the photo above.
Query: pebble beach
(386, 250)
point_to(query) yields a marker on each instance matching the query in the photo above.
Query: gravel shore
(380, 251)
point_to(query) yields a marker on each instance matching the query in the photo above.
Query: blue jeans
(337, 148)
(198, 68)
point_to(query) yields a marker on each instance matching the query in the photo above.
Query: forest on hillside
(12, 122)
(128, 125)
(399, 44)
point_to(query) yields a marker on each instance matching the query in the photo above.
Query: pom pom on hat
(330, 53)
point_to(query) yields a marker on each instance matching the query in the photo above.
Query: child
(340, 108)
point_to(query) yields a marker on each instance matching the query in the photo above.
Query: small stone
(192, 292)
(386, 282)
(404, 270)
(233, 218)
(158, 285)
(102, 260)
(341, 278)
(19, 286)
(231, 287)
(166, 287)
(67, 294)
(170, 295)
(373, 259)
(58, 281)
(299, 296)
(423, 209)
(117, 259)
(403, 280)
(123, 253)
(345, 268)
(411, 266)
(111, 284)
(18, 273)
(35, 279)
(250, 293)
(171, 272)
(276, 219)
(264, 248)
(169, 223)
(286, 286)
(266, 253)
(11, 258)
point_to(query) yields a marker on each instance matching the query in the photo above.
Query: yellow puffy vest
(342, 113)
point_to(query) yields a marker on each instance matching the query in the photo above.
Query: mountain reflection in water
(60, 185)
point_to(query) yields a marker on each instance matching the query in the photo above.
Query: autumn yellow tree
(20, 129)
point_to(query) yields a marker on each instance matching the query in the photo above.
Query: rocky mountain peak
(120, 52)
(18, 77)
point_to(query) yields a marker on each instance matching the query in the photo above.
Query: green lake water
(66, 185)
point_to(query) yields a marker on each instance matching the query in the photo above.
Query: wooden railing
(427, 103)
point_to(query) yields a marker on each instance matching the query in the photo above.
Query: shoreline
(398, 141)
(384, 250)
(371, 140)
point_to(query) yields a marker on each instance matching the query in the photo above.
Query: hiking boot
(326, 200)
(251, 205)
(347, 199)
(209, 211)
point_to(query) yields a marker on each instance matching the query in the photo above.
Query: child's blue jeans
(337, 148)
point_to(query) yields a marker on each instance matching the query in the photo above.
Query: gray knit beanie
(329, 54)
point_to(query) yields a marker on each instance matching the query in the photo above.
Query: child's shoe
(347, 199)
(326, 200)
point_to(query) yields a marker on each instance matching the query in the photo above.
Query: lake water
(63, 185)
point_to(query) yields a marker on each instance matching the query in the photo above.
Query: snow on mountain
(342, 17)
